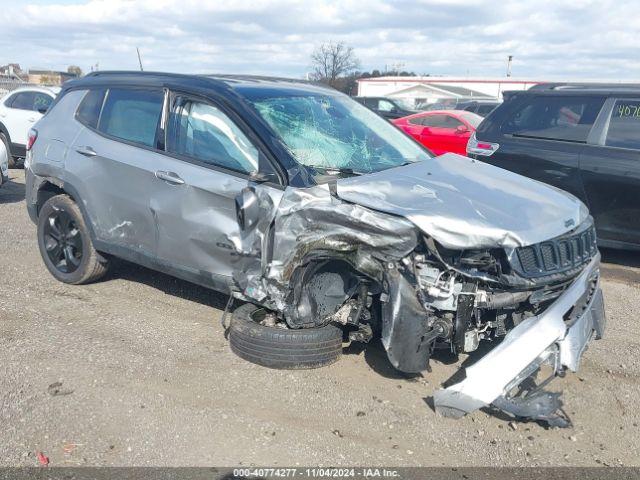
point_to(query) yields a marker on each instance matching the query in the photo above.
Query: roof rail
(101, 73)
(242, 76)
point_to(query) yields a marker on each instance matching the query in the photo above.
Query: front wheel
(65, 243)
(281, 347)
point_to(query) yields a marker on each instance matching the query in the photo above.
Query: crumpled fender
(404, 325)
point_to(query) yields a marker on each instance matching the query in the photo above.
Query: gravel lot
(146, 377)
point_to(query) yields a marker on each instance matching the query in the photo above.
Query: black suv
(584, 139)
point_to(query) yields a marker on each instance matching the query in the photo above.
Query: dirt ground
(135, 370)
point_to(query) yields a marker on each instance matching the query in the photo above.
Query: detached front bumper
(559, 336)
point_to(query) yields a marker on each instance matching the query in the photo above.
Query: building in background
(49, 77)
(421, 91)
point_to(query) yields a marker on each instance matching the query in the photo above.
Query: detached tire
(280, 348)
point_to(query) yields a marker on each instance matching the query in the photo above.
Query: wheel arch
(49, 187)
(307, 302)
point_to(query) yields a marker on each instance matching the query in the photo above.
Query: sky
(549, 39)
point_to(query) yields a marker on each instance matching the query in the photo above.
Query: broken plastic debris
(55, 389)
(42, 459)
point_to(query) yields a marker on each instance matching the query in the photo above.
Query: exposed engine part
(440, 329)
(435, 282)
(501, 328)
(363, 334)
(471, 340)
(464, 313)
(494, 301)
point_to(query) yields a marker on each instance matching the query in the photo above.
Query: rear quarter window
(132, 115)
(553, 117)
(624, 125)
(89, 109)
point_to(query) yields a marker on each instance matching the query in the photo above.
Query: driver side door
(209, 161)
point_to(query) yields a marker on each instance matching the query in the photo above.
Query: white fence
(7, 84)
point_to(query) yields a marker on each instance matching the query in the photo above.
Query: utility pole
(139, 59)
(509, 60)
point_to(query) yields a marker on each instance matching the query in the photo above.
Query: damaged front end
(320, 256)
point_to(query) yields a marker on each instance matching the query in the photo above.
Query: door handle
(31, 119)
(86, 151)
(170, 177)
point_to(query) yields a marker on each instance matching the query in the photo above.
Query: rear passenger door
(112, 163)
(611, 171)
(209, 161)
(542, 137)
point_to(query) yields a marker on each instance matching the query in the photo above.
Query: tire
(10, 159)
(65, 244)
(281, 348)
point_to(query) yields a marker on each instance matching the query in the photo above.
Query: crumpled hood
(464, 203)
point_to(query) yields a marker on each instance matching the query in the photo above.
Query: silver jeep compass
(328, 221)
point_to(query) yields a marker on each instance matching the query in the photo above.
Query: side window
(132, 114)
(386, 106)
(202, 132)
(624, 125)
(371, 103)
(89, 109)
(554, 117)
(41, 102)
(416, 121)
(23, 101)
(437, 121)
(451, 122)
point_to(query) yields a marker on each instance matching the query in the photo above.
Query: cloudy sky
(550, 39)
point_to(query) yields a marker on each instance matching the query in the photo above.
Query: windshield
(333, 132)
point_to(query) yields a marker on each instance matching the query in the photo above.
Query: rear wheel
(65, 243)
(279, 347)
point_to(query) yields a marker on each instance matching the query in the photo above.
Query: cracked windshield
(334, 133)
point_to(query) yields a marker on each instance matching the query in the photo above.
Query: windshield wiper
(335, 170)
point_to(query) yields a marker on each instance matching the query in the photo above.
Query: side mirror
(462, 129)
(247, 209)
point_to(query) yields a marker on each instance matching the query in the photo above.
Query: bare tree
(331, 61)
(74, 70)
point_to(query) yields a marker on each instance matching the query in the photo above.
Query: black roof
(215, 82)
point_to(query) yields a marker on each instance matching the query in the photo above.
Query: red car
(441, 131)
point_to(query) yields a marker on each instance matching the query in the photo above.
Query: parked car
(584, 139)
(482, 107)
(4, 164)
(323, 216)
(387, 107)
(19, 110)
(441, 131)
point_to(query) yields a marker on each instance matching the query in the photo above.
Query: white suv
(19, 110)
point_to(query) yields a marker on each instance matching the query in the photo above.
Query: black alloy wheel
(63, 242)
